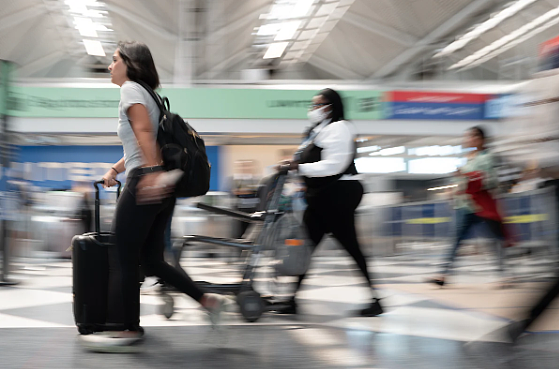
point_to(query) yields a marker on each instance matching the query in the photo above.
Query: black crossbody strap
(161, 102)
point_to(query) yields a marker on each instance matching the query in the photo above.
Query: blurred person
(294, 189)
(16, 208)
(296, 192)
(325, 160)
(474, 202)
(144, 208)
(530, 180)
(21, 201)
(531, 141)
(84, 211)
(245, 190)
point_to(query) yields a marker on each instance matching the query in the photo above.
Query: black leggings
(333, 211)
(139, 239)
(553, 290)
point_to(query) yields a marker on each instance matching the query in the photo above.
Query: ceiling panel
(385, 12)
(431, 13)
(223, 34)
(12, 7)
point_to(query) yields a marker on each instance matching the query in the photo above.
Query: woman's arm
(490, 179)
(144, 132)
(110, 177)
(119, 166)
(148, 189)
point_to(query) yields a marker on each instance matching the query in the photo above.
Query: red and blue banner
(434, 105)
(549, 54)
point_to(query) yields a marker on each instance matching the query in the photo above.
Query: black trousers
(553, 290)
(139, 239)
(332, 210)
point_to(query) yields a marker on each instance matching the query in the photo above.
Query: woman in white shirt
(325, 160)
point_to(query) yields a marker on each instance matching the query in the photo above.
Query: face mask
(318, 115)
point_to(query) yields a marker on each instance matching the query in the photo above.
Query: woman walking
(145, 206)
(325, 160)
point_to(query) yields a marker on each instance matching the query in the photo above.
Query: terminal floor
(423, 327)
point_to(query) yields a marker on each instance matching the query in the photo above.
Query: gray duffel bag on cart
(292, 246)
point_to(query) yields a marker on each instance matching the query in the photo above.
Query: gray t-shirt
(132, 93)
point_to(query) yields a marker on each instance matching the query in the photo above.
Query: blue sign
(434, 111)
(3, 173)
(500, 106)
(57, 167)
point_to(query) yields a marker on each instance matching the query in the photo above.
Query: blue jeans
(465, 221)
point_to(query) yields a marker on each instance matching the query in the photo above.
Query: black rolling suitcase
(90, 262)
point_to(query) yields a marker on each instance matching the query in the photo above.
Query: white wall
(377, 182)
(271, 126)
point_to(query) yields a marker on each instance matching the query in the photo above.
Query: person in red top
(475, 203)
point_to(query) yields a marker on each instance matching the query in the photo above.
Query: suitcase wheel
(251, 305)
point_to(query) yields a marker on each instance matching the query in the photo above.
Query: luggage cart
(292, 260)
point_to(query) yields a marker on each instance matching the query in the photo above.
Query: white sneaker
(111, 341)
(150, 285)
(219, 302)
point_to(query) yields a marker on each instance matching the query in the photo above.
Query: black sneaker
(438, 281)
(516, 329)
(141, 331)
(288, 307)
(374, 309)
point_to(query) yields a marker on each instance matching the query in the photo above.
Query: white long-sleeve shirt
(338, 150)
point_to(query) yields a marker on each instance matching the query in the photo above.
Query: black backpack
(181, 148)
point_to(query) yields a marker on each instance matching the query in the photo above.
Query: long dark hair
(478, 131)
(139, 62)
(335, 101)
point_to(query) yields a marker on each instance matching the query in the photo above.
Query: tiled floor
(424, 326)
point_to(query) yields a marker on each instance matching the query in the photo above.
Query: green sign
(5, 75)
(47, 102)
(193, 103)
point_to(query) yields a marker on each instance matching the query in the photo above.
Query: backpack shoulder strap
(162, 102)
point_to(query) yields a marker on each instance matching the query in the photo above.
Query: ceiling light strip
(308, 51)
(284, 24)
(89, 17)
(94, 47)
(276, 50)
(491, 23)
(512, 44)
(497, 47)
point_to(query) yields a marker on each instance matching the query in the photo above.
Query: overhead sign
(436, 97)
(434, 105)
(501, 106)
(193, 103)
(549, 46)
(549, 54)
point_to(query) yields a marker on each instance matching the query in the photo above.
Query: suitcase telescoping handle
(97, 211)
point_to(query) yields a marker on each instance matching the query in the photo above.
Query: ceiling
(212, 41)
